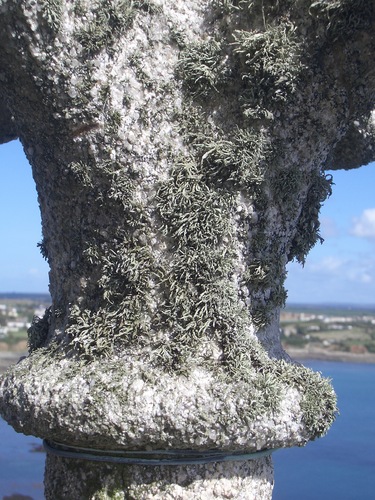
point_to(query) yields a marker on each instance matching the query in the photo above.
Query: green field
(337, 328)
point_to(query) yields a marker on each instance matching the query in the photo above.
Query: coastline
(326, 355)
(9, 358)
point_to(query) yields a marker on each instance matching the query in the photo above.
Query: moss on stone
(113, 123)
(116, 310)
(235, 162)
(110, 20)
(307, 229)
(196, 221)
(38, 332)
(147, 5)
(317, 416)
(202, 66)
(225, 6)
(52, 12)
(343, 17)
(270, 67)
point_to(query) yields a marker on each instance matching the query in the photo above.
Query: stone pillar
(177, 149)
(76, 480)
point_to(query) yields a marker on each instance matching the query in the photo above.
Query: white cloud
(33, 271)
(364, 226)
(365, 278)
(329, 264)
(333, 279)
(362, 270)
(360, 276)
(328, 227)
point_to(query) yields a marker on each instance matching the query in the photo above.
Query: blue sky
(342, 270)
(22, 268)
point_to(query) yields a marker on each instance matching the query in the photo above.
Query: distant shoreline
(9, 358)
(44, 297)
(329, 305)
(325, 355)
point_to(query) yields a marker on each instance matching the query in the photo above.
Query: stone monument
(178, 149)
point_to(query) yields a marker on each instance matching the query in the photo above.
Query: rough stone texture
(124, 404)
(7, 126)
(178, 150)
(251, 480)
(356, 148)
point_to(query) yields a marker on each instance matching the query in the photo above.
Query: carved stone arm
(357, 147)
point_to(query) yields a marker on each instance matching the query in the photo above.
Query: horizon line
(288, 303)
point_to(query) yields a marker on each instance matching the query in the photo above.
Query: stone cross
(178, 149)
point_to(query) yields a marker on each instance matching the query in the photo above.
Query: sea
(340, 465)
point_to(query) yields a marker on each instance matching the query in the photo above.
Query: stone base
(124, 404)
(68, 479)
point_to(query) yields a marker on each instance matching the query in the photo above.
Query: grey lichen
(38, 331)
(263, 65)
(317, 417)
(233, 164)
(225, 7)
(343, 17)
(238, 161)
(136, 63)
(196, 220)
(261, 276)
(190, 209)
(229, 165)
(121, 315)
(307, 229)
(52, 12)
(96, 334)
(202, 66)
(115, 310)
(270, 67)
(42, 245)
(148, 6)
(268, 389)
(110, 20)
(113, 123)
(268, 64)
(196, 207)
(81, 173)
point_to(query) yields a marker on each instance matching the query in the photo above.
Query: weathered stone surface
(75, 480)
(178, 151)
(356, 148)
(122, 403)
(7, 126)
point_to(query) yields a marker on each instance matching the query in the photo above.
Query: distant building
(358, 349)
